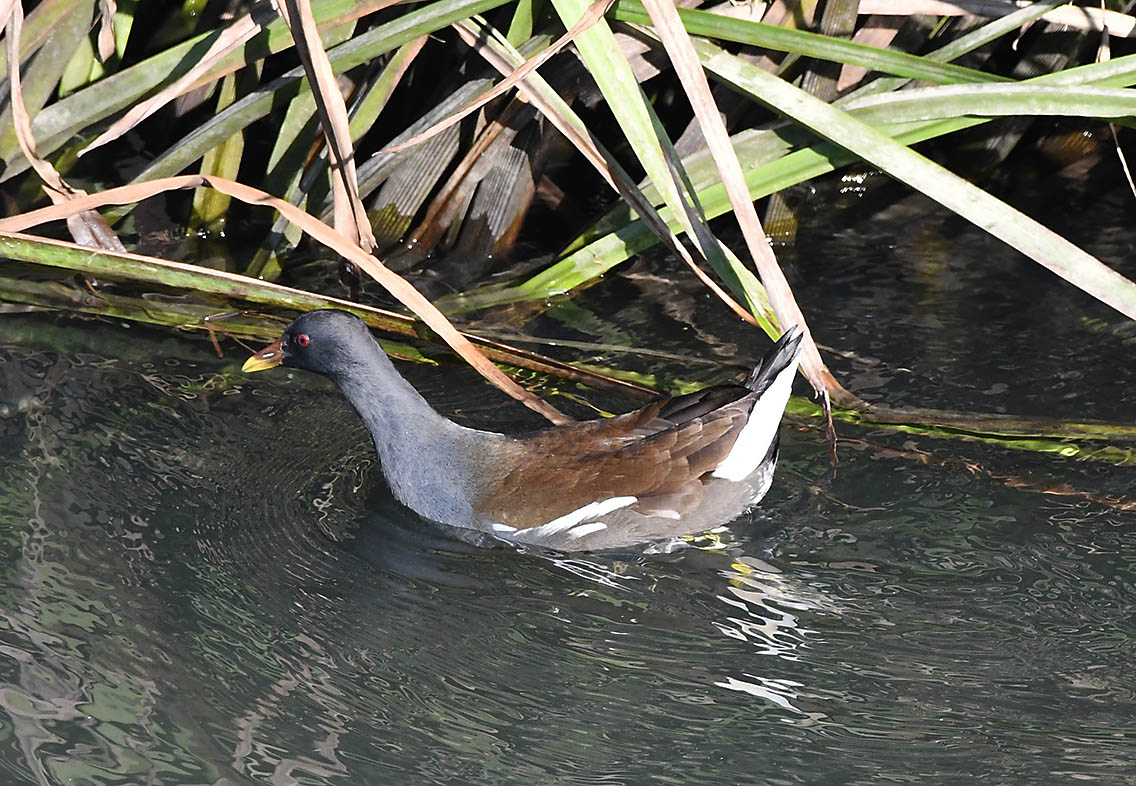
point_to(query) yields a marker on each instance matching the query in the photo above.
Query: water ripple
(208, 584)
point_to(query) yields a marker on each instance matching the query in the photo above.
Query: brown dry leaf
(6, 14)
(317, 230)
(471, 35)
(229, 39)
(877, 31)
(452, 196)
(1079, 17)
(794, 15)
(105, 49)
(391, 321)
(594, 13)
(682, 55)
(87, 227)
(350, 217)
(604, 163)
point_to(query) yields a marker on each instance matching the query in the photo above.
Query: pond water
(204, 581)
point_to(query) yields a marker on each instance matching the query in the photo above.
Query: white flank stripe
(586, 529)
(757, 435)
(591, 510)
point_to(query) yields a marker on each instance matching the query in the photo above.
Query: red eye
(303, 340)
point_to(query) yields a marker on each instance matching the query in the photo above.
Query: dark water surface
(205, 583)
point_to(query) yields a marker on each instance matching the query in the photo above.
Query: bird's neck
(421, 452)
(389, 405)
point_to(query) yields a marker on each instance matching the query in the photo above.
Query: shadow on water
(205, 582)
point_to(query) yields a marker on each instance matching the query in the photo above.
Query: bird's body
(678, 466)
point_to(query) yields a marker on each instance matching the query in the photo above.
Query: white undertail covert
(758, 434)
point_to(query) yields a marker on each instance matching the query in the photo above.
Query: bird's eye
(302, 340)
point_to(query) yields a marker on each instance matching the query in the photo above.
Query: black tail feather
(783, 353)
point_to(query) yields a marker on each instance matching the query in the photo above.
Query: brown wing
(660, 454)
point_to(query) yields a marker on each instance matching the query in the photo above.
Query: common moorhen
(678, 466)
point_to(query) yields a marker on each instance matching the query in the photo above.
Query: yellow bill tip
(267, 358)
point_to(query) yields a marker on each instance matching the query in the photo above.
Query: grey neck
(389, 405)
(424, 456)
